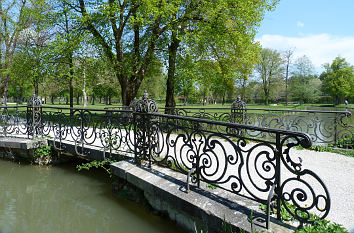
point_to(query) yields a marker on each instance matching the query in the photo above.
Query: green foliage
(284, 214)
(43, 151)
(330, 148)
(319, 226)
(211, 186)
(304, 85)
(104, 164)
(322, 226)
(338, 79)
(347, 143)
(269, 71)
(345, 146)
(42, 155)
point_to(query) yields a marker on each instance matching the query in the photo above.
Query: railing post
(278, 154)
(82, 131)
(60, 135)
(34, 116)
(135, 139)
(142, 122)
(336, 130)
(238, 111)
(5, 116)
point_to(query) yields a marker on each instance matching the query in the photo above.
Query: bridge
(195, 153)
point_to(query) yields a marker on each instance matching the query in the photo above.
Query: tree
(13, 21)
(34, 40)
(287, 58)
(269, 70)
(304, 85)
(67, 42)
(338, 79)
(129, 43)
(226, 36)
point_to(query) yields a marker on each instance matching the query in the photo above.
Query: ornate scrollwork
(323, 127)
(144, 105)
(302, 188)
(34, 116)
(238, 111)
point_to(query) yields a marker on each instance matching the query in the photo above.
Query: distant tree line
(92, 50)
(84, 51)
(279, 79)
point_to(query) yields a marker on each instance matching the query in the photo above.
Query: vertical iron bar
(28, 120)
(135, 142)
(277, 174)
(336, 130)
(149, 137)
(60, 136)
(82, 131)
(33, 119)
(198, 170)
(143, 142)
(110, 128)
(40, 120)
(6, 118)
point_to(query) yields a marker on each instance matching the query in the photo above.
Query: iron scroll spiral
(303, 188)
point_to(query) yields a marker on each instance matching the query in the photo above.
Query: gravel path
(337, 172)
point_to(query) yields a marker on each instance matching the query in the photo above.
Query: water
(60, 199)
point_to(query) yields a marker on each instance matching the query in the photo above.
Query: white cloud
(300, 24)
(321, 48)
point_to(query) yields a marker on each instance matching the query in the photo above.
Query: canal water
(59, 199)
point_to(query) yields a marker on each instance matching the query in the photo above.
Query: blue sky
(319, 29)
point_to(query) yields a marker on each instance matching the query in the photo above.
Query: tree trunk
(71, 87)
(6, 88)
(337, 100)
(170, 83)
(52, 100)
(84, 100)
(36, 86)
(93, 99)
(78, 99)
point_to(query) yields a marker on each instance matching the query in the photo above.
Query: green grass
(346, 152)
(227, 105)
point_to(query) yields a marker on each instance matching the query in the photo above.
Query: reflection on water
(60, 199)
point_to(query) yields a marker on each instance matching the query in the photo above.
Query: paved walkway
(337, 172)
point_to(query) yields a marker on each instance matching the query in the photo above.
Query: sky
(319, 29)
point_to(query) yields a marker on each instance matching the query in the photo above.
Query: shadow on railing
(220, 153)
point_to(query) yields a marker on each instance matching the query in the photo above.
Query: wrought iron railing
(220, 153)
(324, 127)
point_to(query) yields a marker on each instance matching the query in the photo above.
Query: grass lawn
(218, 108)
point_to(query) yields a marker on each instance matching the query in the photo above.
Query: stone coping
(21, 143)
(205, 208)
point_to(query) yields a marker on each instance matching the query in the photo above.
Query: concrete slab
(165, 190)
(21, 143)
